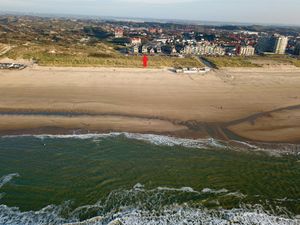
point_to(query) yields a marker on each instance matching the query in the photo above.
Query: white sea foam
(170, 215)
(48, 215)
(150, 138)
(208, 190)
(190, 216)
(272, 149)
(183, 189)
(5, 179)
(136, 214)
(251, 146)
(174, 214)
(237, 194)
(162, 140)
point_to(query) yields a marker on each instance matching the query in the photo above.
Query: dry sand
(251, 104)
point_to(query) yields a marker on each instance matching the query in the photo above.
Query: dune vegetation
(98, 55)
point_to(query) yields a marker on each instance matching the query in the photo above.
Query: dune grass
(226, 61)
(100, 55)
(4, 49)
(255, 61)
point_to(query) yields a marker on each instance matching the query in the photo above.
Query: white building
(281, 43)
(119, 33)
(203, 49)
(144, 49)
(136, 41)
(158, 49)
(136, 49)
(245, 50)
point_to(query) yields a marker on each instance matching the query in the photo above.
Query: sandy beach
(260, 104)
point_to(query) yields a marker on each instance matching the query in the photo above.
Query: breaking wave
(162, 140)
(5, 179)
(139, 206)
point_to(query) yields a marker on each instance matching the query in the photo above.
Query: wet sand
(249, 104)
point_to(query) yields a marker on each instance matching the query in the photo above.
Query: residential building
(203, 49)
(152, 30)
(136, 49)
(159, 31)
(245, 50)
(145, 49)
(158, 49)
(119, 33)
(152, 51)
(174, 51)
(136, 41)
(162, 40)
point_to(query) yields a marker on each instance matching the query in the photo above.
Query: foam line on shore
(150, 138)
(275, 149)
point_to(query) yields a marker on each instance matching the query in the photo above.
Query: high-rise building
(275, 44)
(265, 44)
(281, 43)
(297, 48)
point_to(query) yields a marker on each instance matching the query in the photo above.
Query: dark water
(140, 179)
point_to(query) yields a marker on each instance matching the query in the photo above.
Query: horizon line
(146, 19)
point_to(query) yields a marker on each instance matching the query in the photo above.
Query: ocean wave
(139, 206)
(208, 190)
(274, 149)
(7, 178)
(174, 214)
(150, 138)
(189, 216)
(47, 215)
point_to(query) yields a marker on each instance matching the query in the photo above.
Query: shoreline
(164, 139)
(232, 103)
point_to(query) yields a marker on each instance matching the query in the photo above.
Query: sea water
(123, 178)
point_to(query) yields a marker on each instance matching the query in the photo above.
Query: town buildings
(136, 49)
(187, 40)
(119, 33)
(203, 49)
(136, 41)
(245, 50)
(155, 30)
(144, 49)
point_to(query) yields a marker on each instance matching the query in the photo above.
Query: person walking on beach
(145, 61)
